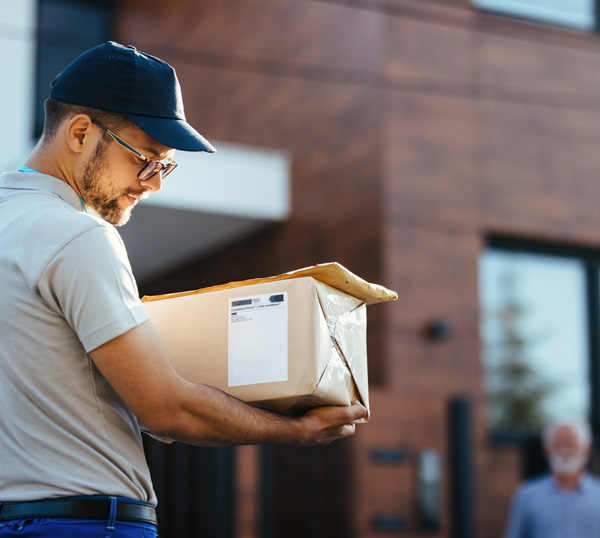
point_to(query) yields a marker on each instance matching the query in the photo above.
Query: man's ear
(78, 131)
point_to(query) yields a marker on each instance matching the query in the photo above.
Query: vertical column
(460, 454)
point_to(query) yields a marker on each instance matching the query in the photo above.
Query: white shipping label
(258, 339)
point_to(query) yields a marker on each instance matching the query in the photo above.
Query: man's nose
(153, 183)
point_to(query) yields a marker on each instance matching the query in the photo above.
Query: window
(539, 332)
(66, 28)
(575, 14)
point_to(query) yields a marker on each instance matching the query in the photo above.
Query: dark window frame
(69, 38)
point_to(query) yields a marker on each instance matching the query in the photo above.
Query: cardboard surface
(285, 343)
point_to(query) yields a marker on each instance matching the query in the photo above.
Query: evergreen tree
(516, 392)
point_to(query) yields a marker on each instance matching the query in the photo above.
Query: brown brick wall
(416, 128)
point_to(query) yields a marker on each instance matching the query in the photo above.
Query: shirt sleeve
(516, 527)
(89, 282)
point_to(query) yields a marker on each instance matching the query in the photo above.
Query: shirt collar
(41, 182)
(582, 487)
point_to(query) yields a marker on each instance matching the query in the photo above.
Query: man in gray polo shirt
(80, 362)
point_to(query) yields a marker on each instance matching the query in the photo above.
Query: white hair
(580, 427)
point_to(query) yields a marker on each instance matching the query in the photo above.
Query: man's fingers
(348, 429)
(329, 423)
(336, 433)
(357, 410)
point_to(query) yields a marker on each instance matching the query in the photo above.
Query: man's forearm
(136, 366)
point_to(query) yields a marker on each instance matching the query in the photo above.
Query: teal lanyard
(31, 170)
(27, 169)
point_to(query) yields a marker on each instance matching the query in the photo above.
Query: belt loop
(112, 516)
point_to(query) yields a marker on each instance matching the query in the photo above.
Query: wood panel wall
(417, 128)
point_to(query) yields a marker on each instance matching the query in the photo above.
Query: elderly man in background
(565, 503)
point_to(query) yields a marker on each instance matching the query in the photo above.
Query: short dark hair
(56, 111)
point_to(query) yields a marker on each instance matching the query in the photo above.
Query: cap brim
(173, 133)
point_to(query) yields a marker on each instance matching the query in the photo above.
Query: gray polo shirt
(66, 288)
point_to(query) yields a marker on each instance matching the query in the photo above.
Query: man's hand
(330, 423)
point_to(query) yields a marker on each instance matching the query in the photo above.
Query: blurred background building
(447, 149)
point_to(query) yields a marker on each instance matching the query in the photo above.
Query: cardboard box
(286, 343)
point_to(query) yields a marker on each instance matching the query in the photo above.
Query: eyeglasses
(151, 167)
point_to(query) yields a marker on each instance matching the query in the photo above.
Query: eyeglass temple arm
(121, 142)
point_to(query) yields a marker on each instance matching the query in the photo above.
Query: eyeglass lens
(156, 166)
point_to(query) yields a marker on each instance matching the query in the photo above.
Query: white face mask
(567, 465)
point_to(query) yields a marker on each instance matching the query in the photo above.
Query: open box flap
(332, 274)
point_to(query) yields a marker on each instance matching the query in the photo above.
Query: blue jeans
(45, 527)
(58, 527)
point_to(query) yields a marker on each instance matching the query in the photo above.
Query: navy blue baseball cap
(122, 79)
